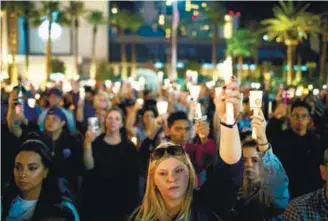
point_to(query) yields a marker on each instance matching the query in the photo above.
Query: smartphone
(93, 124)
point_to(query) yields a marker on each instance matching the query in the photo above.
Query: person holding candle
(202, 150)
(264, 193)
(297, 148)
(171, 192)
(111, 173)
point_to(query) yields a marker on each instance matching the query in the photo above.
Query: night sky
(252, 10)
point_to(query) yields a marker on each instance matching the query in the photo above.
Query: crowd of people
(102, 154)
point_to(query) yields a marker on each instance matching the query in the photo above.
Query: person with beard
(297, 148)
(314, 205)
(264, 193)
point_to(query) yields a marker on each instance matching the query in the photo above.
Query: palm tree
(76, 10)
(50, 11)
(28, 15)
(215, 15)
(95, 18)
(291, 26)
(241, 45)
(323, 58)
(136, 23)
(14, 10)
(122, 20)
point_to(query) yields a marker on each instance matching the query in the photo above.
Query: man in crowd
(66, 151)
(56, 99)
(297, 148)
(314, 205)
(202, 151)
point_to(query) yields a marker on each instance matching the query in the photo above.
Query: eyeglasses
(300, 117)
(171, 150)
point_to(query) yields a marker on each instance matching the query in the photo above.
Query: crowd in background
(90, 154)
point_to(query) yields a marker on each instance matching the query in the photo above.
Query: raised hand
(280, 111)
(259, 125)
(90, 136)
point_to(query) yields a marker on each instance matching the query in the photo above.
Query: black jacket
(300, 156)
(110, 189)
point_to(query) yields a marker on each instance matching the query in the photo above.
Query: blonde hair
(153, 206)
(102, 94)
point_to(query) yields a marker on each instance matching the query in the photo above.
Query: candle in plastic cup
(134, 140)
(198, 114)
(31, 102)
(194, 91)
(227, 73)
(255, 103)
(140, 101)
(218, 91)
(270, 108)
(162, 107)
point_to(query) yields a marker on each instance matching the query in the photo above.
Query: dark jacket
(67, 156)
(110, 189)
(300, 156)
(214, 200)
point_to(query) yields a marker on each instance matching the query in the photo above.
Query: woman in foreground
(171, 192)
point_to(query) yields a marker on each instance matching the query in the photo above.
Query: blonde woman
(171, 183)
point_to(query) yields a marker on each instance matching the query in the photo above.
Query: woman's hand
(91, 135)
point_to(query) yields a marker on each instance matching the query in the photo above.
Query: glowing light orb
(56, 30)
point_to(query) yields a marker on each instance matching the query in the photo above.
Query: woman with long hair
(171, 192)
(112, 172)
(34, 195)
(147, 124)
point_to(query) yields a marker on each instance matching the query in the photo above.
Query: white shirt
(21, 210)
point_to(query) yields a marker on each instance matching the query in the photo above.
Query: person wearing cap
(66, 150)
(55, 99)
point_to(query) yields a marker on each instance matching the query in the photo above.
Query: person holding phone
(111, 172)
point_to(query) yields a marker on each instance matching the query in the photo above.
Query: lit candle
(134, 140)
(255, 103)
(270, 108)
(31, 102)
(198, 113)
(194, 91)
(140, 101)
(227, 71)
(162, 107)
(82, 93)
